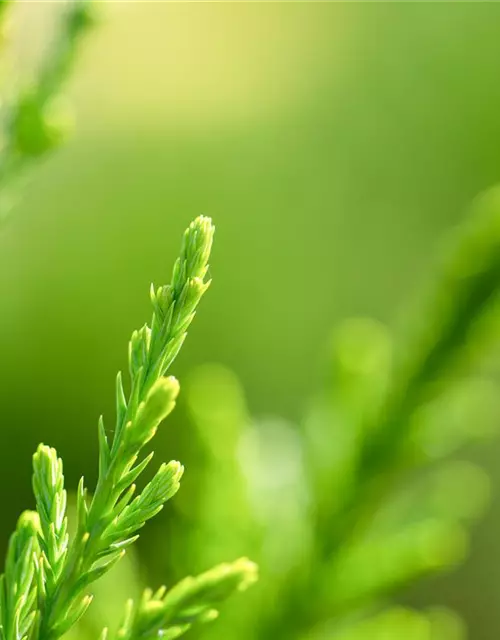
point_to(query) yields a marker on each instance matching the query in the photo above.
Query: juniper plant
(45, 587)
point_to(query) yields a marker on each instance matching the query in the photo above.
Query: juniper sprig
(46, 579)
(110, 523)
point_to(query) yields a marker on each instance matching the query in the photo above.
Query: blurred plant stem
(34, 122)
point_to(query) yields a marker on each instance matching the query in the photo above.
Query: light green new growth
(48, 487)
(109, 522)
(18, 585)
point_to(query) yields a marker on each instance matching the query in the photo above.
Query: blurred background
(334, 145)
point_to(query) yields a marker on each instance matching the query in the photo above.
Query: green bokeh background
(333, 144)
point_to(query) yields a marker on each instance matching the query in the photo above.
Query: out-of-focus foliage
(334, 508)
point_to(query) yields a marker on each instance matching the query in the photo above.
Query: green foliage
(48, 581)
(320, 504)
